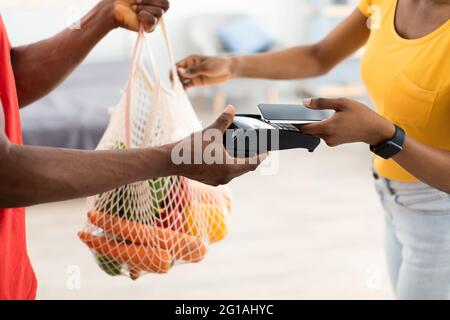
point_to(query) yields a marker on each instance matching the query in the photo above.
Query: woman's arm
(40, 67)
(310, 60)
(427, 164)
(294, 63)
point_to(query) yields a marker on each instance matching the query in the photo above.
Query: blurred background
(311, 230)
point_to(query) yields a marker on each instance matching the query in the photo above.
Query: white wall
(30, 20)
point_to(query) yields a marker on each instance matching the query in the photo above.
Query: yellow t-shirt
(408, 81)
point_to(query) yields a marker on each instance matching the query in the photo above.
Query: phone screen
(250, 123)
(289, 113)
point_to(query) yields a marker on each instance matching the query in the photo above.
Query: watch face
(388, 150)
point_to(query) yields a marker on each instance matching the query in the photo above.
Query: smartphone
(289, 113)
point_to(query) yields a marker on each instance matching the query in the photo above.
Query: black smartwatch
(391, 147)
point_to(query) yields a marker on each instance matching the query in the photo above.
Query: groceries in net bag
(148, 226)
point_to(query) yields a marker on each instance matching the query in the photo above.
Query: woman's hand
(197, 71)
(130, 14)
(352, 122)
(355, 122)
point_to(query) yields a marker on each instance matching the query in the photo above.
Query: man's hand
(197, 71)
(202, 155)
(32, 175)
(130, 14)
(352, 122)
(37, 72)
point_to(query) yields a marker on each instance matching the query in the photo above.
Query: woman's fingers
(325, 104)
(322, 128)
(201, 71)
(313, 128)
(196, 71)
(184, 62)
(189, 80)
(319, 129)
(190, 71)
(193, 68)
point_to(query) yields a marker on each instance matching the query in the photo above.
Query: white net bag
(148, 226)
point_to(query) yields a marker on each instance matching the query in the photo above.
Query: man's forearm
(32, 175)
(40, 67)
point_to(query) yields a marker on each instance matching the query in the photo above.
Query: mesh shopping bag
(148, 226)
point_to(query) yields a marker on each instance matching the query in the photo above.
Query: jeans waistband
(396, 186)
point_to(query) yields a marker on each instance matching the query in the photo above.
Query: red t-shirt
(17, 279)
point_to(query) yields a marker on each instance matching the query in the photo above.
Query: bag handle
(169, 49)
(141, 42)
(137, 54)
(134, 64)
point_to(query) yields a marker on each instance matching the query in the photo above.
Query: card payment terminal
(249, 135)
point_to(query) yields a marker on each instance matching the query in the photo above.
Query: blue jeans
(417, 239)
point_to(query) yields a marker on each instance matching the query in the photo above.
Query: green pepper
(119, 145)
(112, 202)
(110, 266)
(117, 201)
(158, 190)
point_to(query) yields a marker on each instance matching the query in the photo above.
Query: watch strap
(391, 147)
